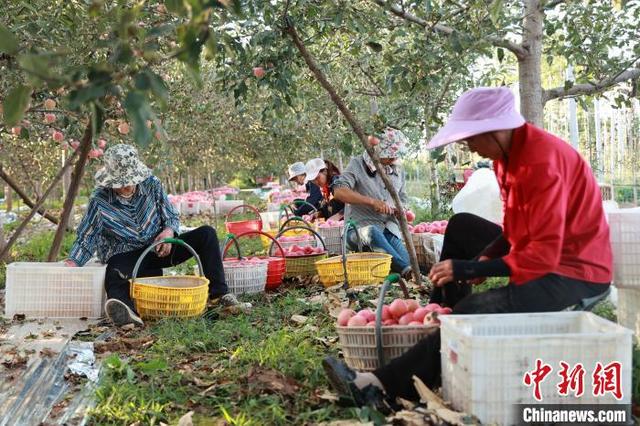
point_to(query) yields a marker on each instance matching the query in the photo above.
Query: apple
(49, 104)
(431, 318)
(412, 304)
(410, 215)
(420, 313)
(49, 118)
(398, 308)
(123, 128)
(373, 141)
(368, 314)
(16, 130)
(58, 136)
(371, 324)
(414, 323)
(390, 322)
(102, 143)
(357, 321)
(432, 307)
(344, 316)
(74, 145)
(444, 311)
(406, 318)
(258, 72)
(386, 313)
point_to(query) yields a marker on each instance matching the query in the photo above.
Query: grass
(169, 379)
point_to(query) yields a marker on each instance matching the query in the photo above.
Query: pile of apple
(296, 250)
(295, 238)
(246, 261)
(331, 224)
(399, 312)
(436, 227)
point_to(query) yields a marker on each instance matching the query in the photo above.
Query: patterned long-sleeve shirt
(359, 178)
(112, 226)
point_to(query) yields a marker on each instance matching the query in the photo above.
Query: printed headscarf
(392, 144)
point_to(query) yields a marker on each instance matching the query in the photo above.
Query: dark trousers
(203, 240)
(545, 294)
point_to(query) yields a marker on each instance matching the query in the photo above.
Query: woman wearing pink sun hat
(554, 246)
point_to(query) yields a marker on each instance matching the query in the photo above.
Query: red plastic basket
(277, 265)
(243, 226)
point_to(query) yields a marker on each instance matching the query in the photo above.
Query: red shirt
(553, 215)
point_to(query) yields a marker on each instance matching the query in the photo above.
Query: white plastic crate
(206, 207)
(53, 290)
(628, 311)
(625, 242)
(485, 357)
(270, 220)
(189, 208)
(225, 206)
(332, 239)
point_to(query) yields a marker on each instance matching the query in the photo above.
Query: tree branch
(514, 48)
(358, 130)
(591, 88)
(551, 4)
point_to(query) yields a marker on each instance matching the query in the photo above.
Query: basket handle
(279, 234)
(391, 278)
(299, 203)
(230, 238)
(242, 206)
(237, 237)
(165, 241)
(296, 219)
(284, 212)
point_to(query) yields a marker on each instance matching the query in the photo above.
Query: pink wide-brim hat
(480, 110)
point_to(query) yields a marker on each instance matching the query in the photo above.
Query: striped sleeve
(87, 235)
(168, 213)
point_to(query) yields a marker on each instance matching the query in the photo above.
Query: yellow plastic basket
(171, 296)
(362, 269)
(303, 266)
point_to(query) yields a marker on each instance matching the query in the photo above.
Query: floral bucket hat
(392, 145)
(122, 167)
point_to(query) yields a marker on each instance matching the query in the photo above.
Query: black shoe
(341, 378)
(120, 314)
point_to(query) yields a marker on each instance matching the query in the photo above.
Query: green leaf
(568, 84)
(158, 87)
(15, 104)
(500, 54)
(139, 112)
(152, 366)
(39, 65)
(79, 97)
(494, 11)
(142, 81)
(176, 6)
(24, 133)
(456, 45)
(8, 42)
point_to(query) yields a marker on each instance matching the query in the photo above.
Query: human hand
(381, 207)
(70, 263)
(441, 273)
(164, 249)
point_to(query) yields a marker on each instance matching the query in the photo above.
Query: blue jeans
(381, 241)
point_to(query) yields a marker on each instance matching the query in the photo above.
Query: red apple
(344, 316)
(413, 323)
(368, 314)
(432, 307)
(444, 311)
(373, 141)
(412, 304)
(410, 215)
(258, 72)
(49, 104)
(102, 144)
(390, 322)
(406, 318)
(74, 145)
(420, 313)
(16, 130)
(49, 118)
(371, 324)
(357, 321)
(386, 313)
(398, 308)
(58, 136)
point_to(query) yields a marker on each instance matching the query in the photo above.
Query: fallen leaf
(19, 317)
(269, 380)
(186, 420)
(48, 352)
(30, 336)
(207, 390)
(127, 327)
(327, 395)
(408, 418)
(435, 403)
(48, 334)
(300, 319)
(201, 383)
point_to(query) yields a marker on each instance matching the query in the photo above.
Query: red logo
(536, 377)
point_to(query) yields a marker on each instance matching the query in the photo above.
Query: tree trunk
(357, 128)
(529, 65)
(76, 180)
(13, 185)
(8, 198)
(36, 207)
